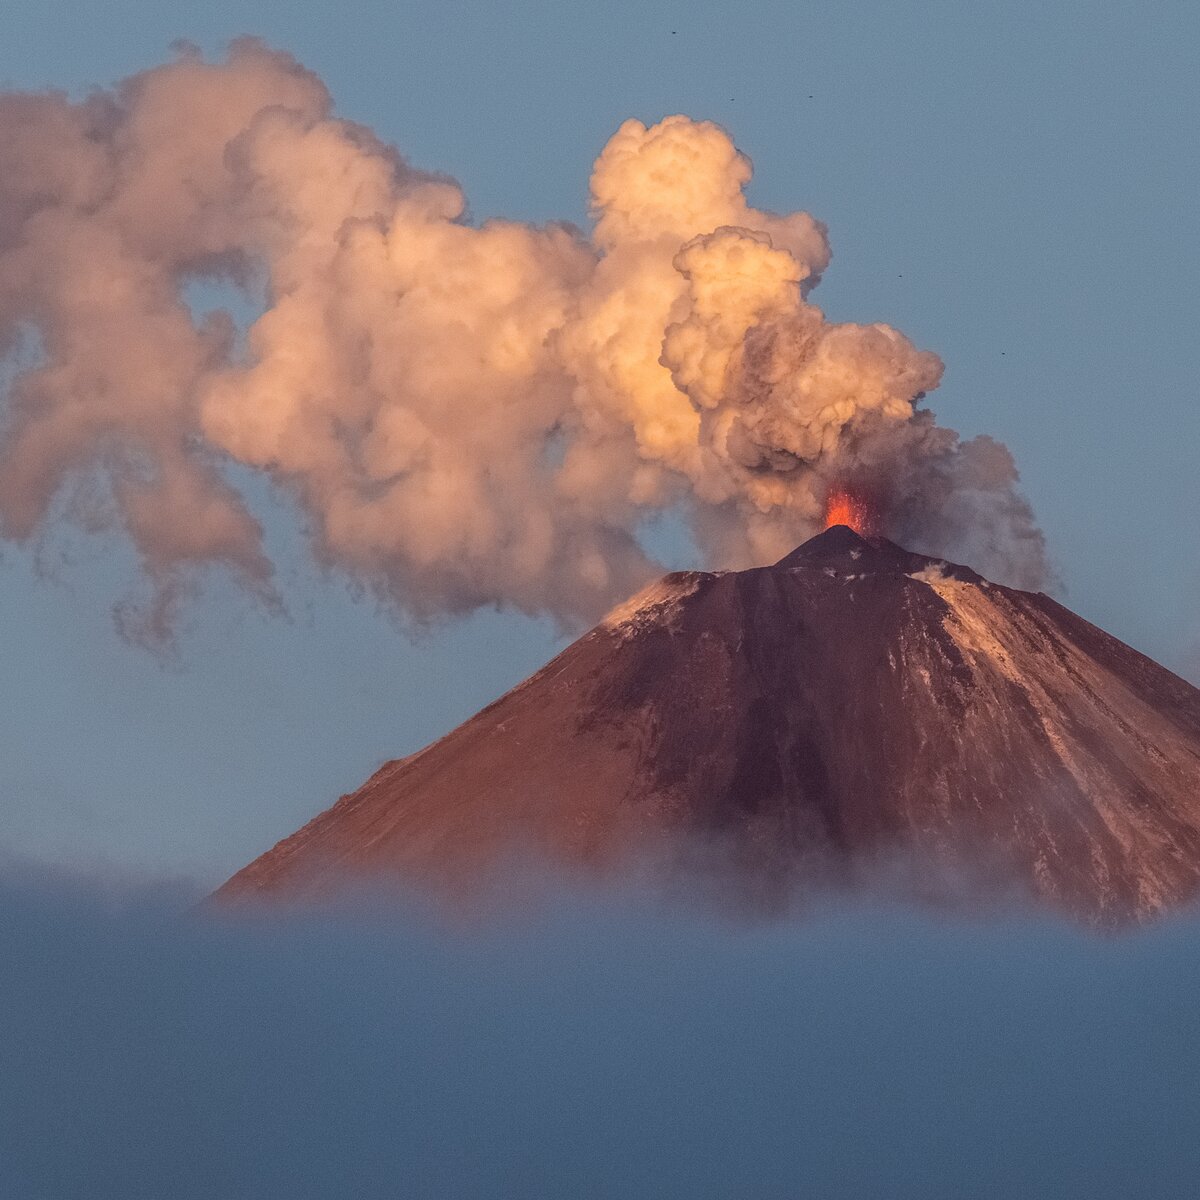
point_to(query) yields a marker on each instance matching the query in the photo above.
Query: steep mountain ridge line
(853, 700)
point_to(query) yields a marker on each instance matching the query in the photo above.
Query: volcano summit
(853, 705)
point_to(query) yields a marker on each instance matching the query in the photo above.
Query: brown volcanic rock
(852, 703)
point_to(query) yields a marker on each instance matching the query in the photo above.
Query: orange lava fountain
(845, 507)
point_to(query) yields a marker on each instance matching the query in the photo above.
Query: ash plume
(463, 414)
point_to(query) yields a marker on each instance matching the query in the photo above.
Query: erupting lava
(844, 507)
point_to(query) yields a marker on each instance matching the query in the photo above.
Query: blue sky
(1012, 185)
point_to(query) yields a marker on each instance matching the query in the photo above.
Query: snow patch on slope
(992, 635)
(979, 625)
(655, 604)
(934, 573)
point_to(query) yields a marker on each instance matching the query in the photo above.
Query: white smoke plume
(464, 414)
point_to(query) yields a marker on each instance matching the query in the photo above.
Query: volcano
(853, 706)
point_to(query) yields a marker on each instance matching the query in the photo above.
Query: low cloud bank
(600, 1046)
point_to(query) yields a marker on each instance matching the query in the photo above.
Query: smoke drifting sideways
(465, 415)
(604, 1047)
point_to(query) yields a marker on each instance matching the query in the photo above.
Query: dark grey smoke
(601, 1048)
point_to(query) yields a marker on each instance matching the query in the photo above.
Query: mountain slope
(852, 704)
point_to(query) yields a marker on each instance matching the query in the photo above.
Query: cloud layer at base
(599, 1046)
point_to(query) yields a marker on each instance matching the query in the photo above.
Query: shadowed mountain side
(804, 721)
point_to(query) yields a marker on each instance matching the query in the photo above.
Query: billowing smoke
(464, 414)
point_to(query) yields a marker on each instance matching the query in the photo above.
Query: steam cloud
(465, 415)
